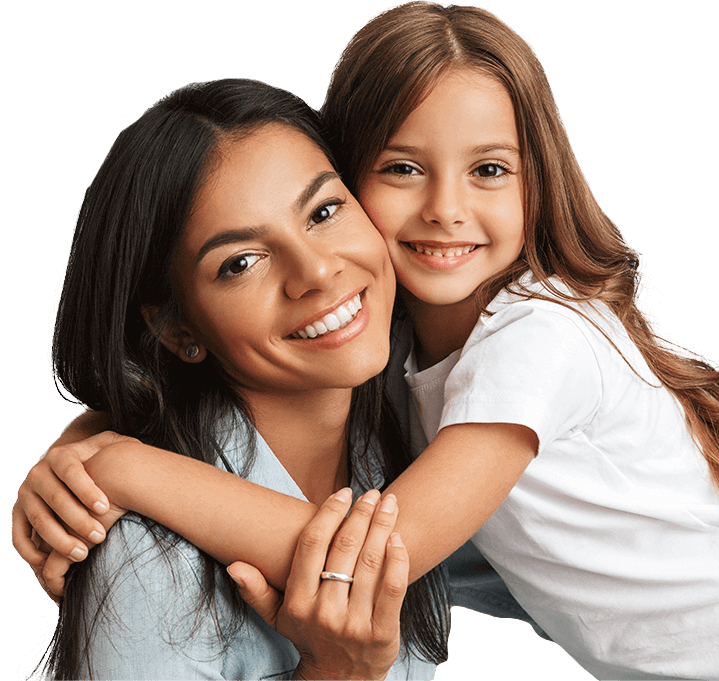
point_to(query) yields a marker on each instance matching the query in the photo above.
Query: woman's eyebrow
(313, 187)
(231, 236)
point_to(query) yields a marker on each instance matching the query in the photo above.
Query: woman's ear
(176, 338)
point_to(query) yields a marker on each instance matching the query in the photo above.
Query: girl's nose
(445, 203)
(311, 266)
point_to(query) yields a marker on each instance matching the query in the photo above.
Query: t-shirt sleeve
(528, 364)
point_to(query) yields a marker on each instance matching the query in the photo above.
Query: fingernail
(95, 537)
(395, 539)
(344, 495)
(78, 554)
(235, 576)
(371, 497)
(389, 504)
(99, 507)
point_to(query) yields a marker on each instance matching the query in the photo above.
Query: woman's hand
(60, 513)
(341, 630)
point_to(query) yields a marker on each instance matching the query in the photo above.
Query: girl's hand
(342, 631)
(51, 526)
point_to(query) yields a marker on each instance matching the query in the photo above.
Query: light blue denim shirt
(148, 628)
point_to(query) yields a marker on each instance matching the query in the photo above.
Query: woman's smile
(334, 320)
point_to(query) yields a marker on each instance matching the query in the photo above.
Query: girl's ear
(177, 339)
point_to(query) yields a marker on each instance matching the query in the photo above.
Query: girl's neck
(439, 329)
(307, 433)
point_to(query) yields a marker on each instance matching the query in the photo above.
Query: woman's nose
(310, 267)
(445, 203)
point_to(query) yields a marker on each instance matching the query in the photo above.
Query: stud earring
(192, 350)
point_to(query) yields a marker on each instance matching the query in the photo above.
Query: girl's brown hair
(383, 75)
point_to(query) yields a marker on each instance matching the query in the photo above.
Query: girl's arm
(445, 497)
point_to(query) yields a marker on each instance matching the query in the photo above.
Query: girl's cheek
(376, 214)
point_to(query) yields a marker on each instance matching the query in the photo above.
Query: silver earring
(192, 350)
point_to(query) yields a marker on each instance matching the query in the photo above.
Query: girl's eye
(489, 170)
(325, 212)
(399, 169)
(238, 264)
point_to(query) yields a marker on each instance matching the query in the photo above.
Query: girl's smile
(446, 192)
(440, 255)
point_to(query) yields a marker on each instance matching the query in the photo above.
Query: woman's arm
(445, 497)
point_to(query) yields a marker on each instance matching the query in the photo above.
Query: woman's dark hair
(105, 355)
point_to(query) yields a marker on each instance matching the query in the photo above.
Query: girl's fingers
(392, 587)
(53, 573)
(311, 551)
(72, 473)
(22, 538)
(39, 515)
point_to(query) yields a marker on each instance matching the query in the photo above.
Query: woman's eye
(324, 212)
(238, 264)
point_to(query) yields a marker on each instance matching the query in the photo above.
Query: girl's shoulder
(554, 299)
(530, 309)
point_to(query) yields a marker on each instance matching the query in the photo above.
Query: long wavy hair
(387, 70)
(105, 355)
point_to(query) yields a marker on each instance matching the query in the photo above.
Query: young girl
(521, 294)
(195, 348)
(531, 369)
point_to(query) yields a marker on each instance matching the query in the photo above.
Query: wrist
(306, 671)
(112, 468)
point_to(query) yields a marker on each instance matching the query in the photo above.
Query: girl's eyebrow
(501, 146)
(481, 149)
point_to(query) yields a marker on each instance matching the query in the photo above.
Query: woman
(215, 229)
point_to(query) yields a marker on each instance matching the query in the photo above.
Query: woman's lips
(337, 319)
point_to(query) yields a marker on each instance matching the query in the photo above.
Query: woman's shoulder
(149, 551)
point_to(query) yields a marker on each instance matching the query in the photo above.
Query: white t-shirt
(610, 540)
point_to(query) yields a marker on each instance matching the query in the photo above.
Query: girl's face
(279, 271)
(446, 192)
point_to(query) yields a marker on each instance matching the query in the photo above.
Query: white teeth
(444, 252)
(332, 322)
(336, 319)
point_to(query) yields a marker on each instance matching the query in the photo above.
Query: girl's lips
(441, 256)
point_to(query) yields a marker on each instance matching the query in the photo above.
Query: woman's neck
(307, 433)
(439, 329)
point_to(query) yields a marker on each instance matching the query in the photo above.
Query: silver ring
(337, 577)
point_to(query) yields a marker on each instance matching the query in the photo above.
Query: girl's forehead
(462, 103)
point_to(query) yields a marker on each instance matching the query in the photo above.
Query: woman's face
(446, 192)
(280, 273)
